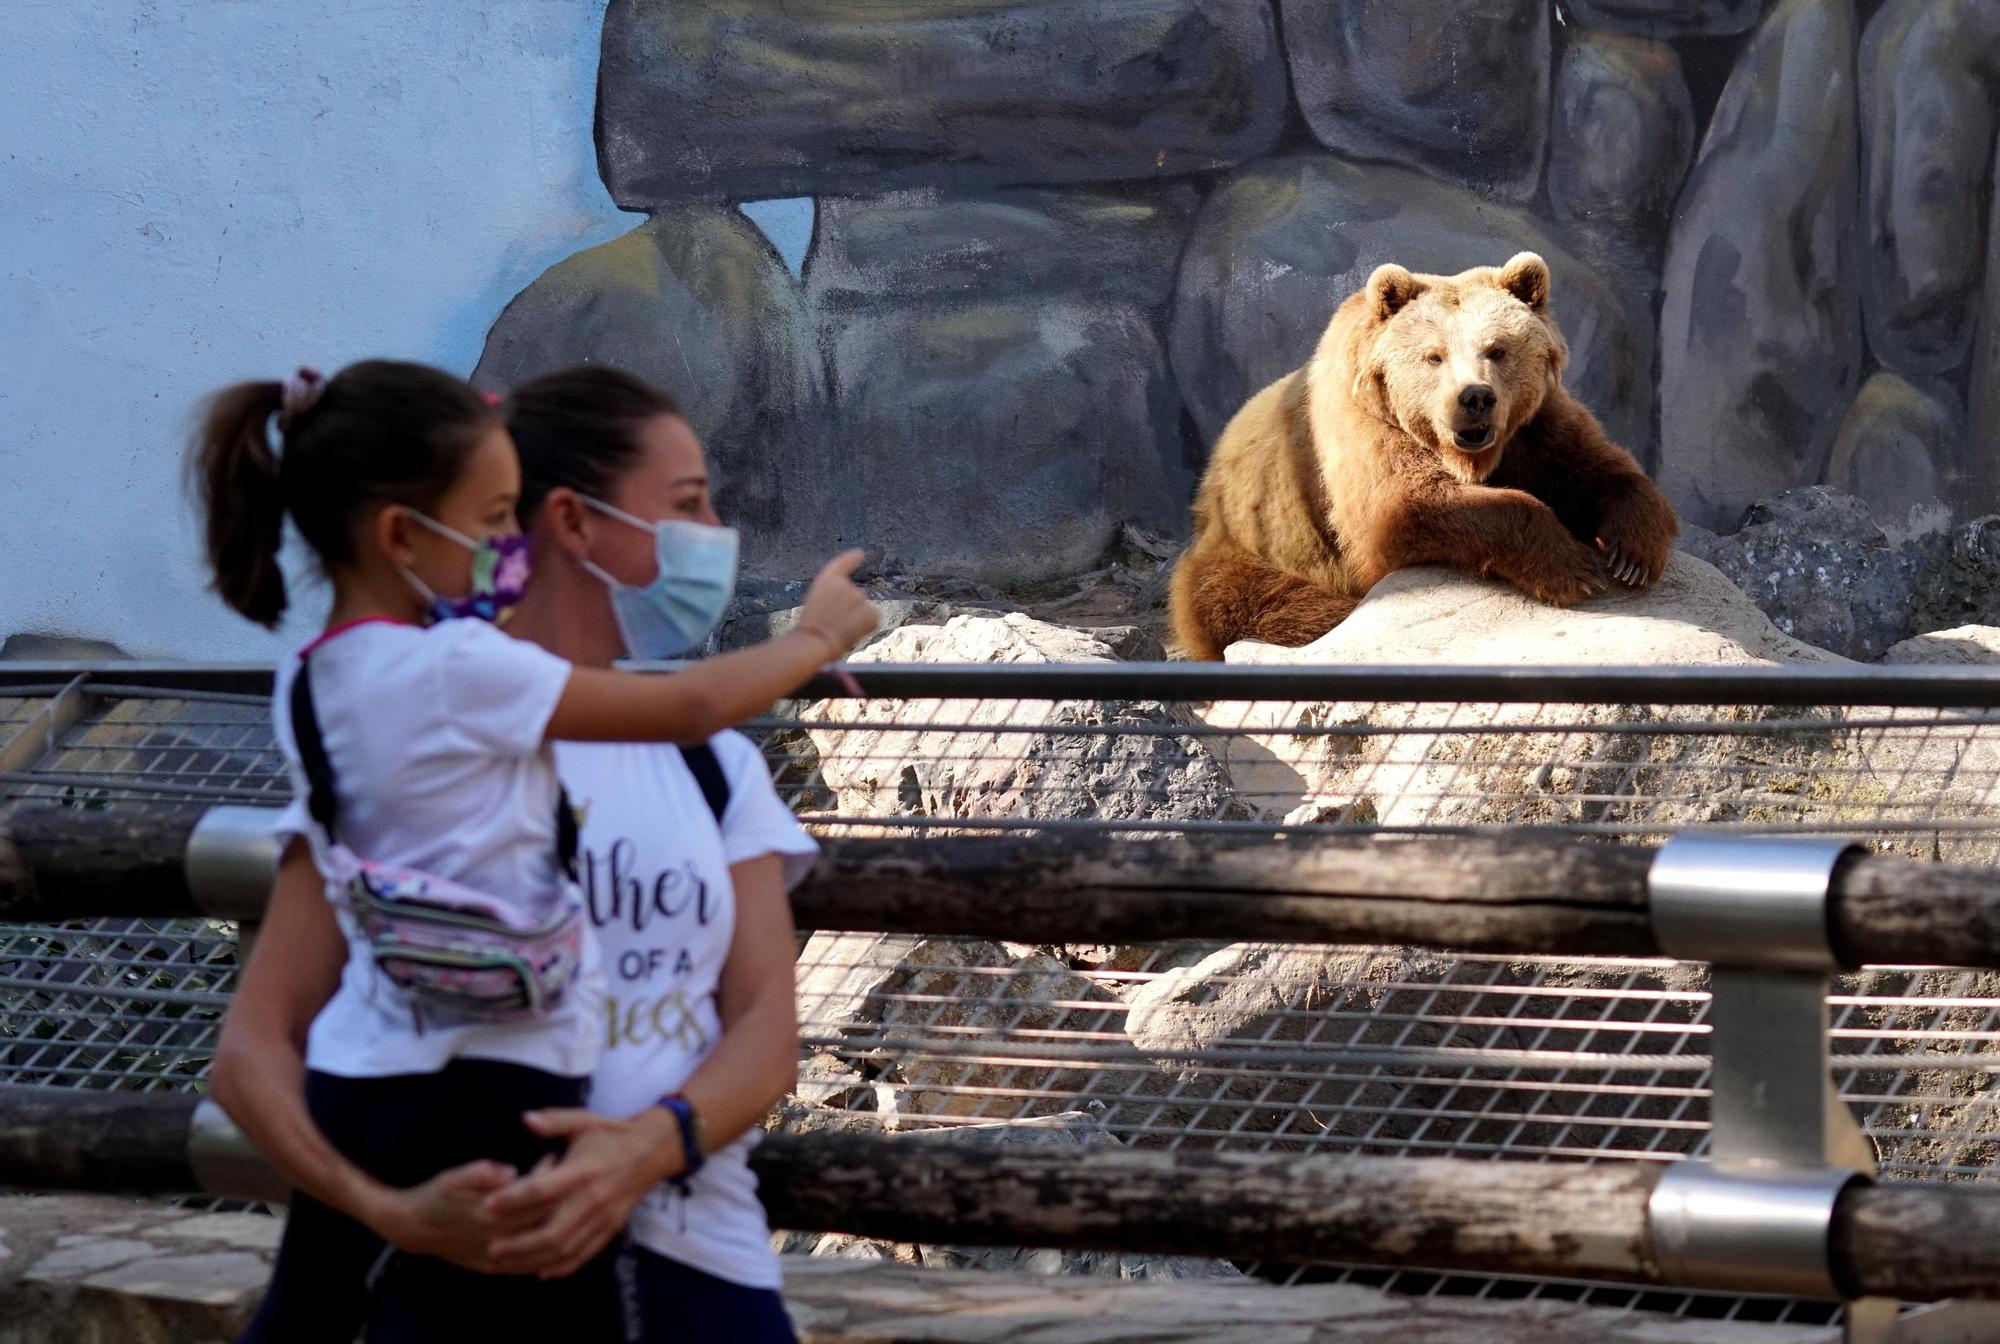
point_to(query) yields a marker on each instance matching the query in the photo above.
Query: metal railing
(1332, 1049)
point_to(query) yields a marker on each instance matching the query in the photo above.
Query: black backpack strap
(321, 799)
(324, 803)
(707, 771)
(567, 833)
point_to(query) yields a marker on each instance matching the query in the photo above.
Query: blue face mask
(696, 579)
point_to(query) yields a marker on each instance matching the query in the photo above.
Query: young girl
(418, 739)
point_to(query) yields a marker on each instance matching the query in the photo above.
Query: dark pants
(689, 1307)
(332, 1273)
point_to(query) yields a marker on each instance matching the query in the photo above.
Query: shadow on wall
(1059, 242)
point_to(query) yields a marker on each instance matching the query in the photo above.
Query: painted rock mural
(1058, 242)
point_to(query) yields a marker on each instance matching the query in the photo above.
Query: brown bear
(1430, 428)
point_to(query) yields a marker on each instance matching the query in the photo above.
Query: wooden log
(1543, 1219)
(1892, 911)
(114, 1142)
(1919, 1241)
(1493, 894)
(61, 862)
(1522, 893)
(1922, 1242)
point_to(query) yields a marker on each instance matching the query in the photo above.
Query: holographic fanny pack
(448, 945)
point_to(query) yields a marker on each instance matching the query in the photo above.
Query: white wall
(195, 191)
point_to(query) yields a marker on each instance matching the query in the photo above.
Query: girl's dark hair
(579, 427)
(380, 431)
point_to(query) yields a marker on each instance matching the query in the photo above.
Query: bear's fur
(1430, 428)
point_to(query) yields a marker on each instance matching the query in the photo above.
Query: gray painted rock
(1897, 449)
(1622, 138)
(27, 647)
(697, 301)
(925, 246)
(1819, 567)
(1760, 334)
(1279, 245)
(1670, 18)
(742, 99)
(1981, 490)
(1930, 77)
(1460, 88)
(1001, 385)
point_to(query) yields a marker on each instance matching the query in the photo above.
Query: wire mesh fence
(1240, 1047)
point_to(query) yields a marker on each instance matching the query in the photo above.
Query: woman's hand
(554, 1219)
(836, 608)
(446, 1216)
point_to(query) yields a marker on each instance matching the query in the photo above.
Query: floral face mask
(500, 567)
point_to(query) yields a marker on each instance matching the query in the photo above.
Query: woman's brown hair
(579, 428)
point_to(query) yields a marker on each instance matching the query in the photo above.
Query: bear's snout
(1472, 429)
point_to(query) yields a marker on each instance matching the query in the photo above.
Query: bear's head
(1458, 362)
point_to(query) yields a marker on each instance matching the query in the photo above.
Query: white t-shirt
(656, 882)
(436, 739)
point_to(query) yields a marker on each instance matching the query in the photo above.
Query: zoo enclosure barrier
(1408, 836)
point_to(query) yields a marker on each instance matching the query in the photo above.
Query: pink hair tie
(299, 393)
(491, 398)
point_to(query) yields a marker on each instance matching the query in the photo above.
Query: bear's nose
(1478, 398)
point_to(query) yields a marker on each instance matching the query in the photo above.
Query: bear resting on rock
(1430, 428)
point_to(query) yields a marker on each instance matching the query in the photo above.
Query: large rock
(697, 301)
(1335, 762)
(1898, 450)
(1960, 580)
(1278, 246)
(1818, 565)
(1694, 617)
(907, 1010)
(742, 99)
(1012, 758)
(1459, 88)
(1599, 766)
(1670, 18)
(1622, 138)
(1264, 997)
(999, 367)
(1371, 1016)
(1965, 645)
(1760, 336)
(1930, 78)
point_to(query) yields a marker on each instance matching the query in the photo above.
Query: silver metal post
(231, 860)
(1755, 1215)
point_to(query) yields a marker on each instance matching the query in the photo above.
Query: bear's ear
(1526, 277)
(1391, 287)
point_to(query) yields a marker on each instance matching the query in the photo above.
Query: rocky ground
(1814, 560)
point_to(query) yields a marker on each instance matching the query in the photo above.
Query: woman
(686, 858)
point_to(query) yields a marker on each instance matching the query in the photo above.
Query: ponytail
(243, 504)
(380, 431)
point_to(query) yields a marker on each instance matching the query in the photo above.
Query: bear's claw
(1624, 568)
(1565, 581)
(1628, 569)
